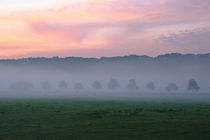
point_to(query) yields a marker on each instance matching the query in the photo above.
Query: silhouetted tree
(113, 84)
(150, 85)
(46, 85)
(132, 84)
(63, 84)
(78, 86)
(193, 85)
(96, 85)
(21, 85)
(172, 87)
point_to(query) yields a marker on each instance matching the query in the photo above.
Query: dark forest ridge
(128, 57)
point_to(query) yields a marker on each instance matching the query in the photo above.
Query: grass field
(47, 119)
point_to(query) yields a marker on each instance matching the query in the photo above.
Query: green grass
(99, 120)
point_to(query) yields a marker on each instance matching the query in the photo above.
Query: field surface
(45, 119)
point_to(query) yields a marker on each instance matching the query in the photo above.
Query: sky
(93, 28)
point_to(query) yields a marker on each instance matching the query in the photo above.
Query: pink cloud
(114, 27)
(196, 40)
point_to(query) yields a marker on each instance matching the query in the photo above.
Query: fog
(126, 76)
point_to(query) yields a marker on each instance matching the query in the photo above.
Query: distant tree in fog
(21, 85)
(46, 85)
(96, 85)
(132, 84)
(78, 86)
(113, 83)
(150, 85)
(63, 84)
(172, 87)
(193, 85)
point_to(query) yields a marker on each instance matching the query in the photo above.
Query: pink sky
(91, 28)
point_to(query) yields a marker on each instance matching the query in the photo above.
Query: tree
(113, 84)
(193, 85)
(78, 85)
(150, 85)
(46, 85)
(172, 87)
(96, 85)
(21, 85)
(132, 84)
(63, 84)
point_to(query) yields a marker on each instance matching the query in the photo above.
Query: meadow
(92, 119)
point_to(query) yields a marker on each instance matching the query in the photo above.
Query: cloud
(195, 41)
(112, 26)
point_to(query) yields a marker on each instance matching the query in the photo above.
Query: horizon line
(196, 54)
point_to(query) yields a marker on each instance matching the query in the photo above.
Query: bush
(46, 85)
(96, 85)
(21, 85)
(132, 85)
(193, 85)
(63, 84)
(150, 86)
(172, 87)
(78, 86)
(113, 84)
